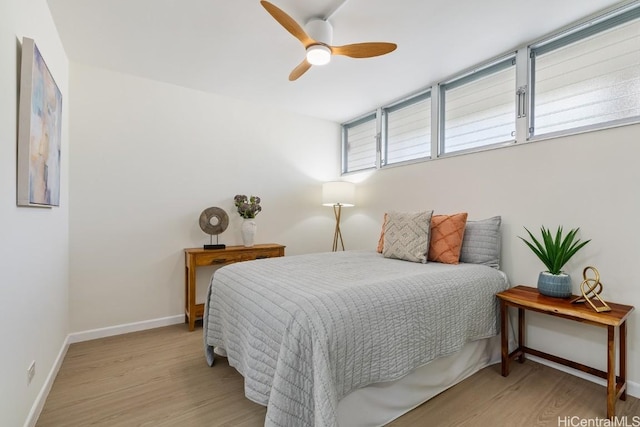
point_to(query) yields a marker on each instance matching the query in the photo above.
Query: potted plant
(554, 252)
(248, 208)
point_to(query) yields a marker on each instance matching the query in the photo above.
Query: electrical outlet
(31, 371)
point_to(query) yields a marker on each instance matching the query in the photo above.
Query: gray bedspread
(306, 330)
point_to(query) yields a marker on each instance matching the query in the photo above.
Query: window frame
(384, 129)
(345, 140)
(524, 92)
(574, 33)
(485, 69)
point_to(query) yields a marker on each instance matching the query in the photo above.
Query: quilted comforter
(306, 330)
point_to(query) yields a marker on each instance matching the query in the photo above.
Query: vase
(554, 285)
(248, 230)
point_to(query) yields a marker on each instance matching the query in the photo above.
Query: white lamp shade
(338, 193)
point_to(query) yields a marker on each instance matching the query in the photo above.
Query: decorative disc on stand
(214, 221)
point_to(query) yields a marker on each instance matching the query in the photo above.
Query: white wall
(588, 181)
(149, 157)
(33, 242)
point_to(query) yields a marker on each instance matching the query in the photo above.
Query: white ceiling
(236, 48)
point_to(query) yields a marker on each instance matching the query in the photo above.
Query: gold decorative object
(591, 289)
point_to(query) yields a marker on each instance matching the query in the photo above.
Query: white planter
(248, 229)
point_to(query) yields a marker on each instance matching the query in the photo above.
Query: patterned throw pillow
(406, 236)
(447, 232)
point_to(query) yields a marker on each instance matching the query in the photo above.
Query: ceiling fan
(317, 41)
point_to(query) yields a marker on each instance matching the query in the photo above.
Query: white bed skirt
(381, 403)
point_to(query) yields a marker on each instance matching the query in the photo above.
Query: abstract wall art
(39, 131)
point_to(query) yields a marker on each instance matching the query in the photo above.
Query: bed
(322, 338)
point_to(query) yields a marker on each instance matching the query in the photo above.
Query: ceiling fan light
(318, 54)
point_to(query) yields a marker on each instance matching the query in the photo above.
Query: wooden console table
(527, 298)
(198, 257)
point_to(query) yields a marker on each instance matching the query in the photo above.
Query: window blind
(360, 144)
(479, 109)
(407, 130)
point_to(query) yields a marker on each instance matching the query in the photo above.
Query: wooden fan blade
(364, 50)
(299, 70)
(288, 23)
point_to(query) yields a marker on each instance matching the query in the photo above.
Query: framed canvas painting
(39, 131)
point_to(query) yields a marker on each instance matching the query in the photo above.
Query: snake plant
(555, 252)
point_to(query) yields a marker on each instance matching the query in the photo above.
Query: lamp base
(337, 236)
(216, 246)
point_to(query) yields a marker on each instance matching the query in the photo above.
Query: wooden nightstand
(198, 257)
(527, 298)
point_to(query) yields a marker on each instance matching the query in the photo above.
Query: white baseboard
(37, 406)
(633, 388)
(92, 334)
(110, 331)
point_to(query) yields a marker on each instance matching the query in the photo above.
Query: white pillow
(406, 236)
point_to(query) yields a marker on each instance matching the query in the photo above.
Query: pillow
(446, 238)
(481, 242)
(381, 239)
(406, 236)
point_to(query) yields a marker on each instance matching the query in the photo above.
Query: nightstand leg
(611, 372)
(504, 337)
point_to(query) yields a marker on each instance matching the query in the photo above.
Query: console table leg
(191, 291)
(623, 358)
(504, 337)
(521, 334)
(186, 290)
(611, 372)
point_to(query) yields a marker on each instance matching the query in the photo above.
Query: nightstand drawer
(271, 253)
(219, 257)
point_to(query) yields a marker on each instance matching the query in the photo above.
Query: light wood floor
(159, 378)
